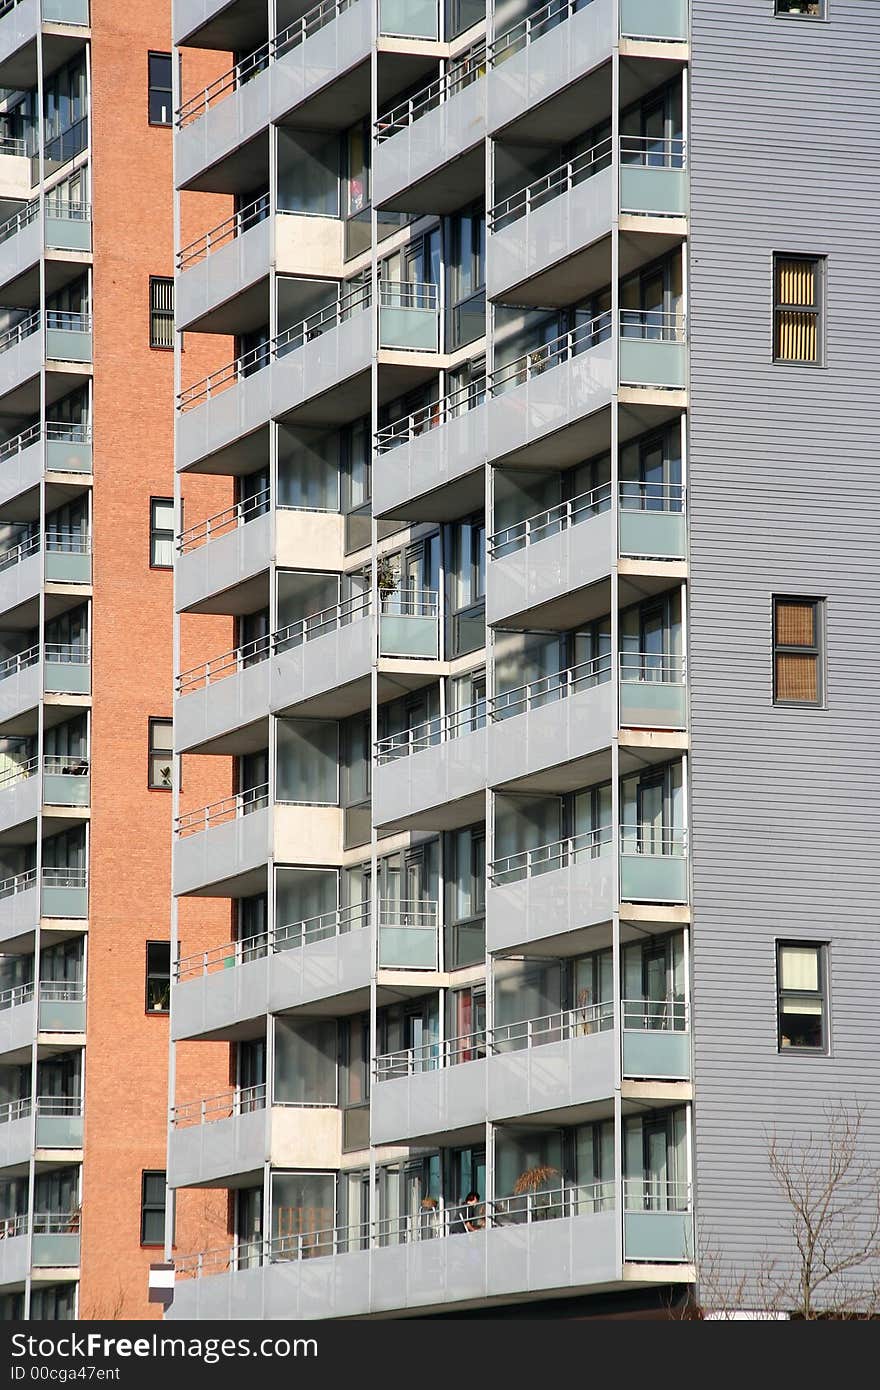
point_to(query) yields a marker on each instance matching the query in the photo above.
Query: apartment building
(86, 584)
(540, 343)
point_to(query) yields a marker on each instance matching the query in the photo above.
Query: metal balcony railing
(18, 883)
(319, 624)
(408, 294)
(653, 325)
(72, 212)
(16, 553)
(506, 1037)
(11, 1110)
(12, 145)
(546, 690)
(532, 27)
(19, 994)
(19, 220)
(431, 732)
(654, 840)
(19, 331)
(240, 1100)
(434, 1221)
(228, 664)
(55, 430)
(664, 668)
(338, 922)
(58, 541)
(549, 186)
(655, 1015)
(550, 522)
(59, 1105)
(649, 152)
(558, 854)
(221, 812)
(322, 321)
(651, 1193)
(223, 233)
(223, 522)
(636, 496)
(42, 1223)
(428, 417)
(13, 665)
(62, 876)
(552, 354)
(461, 73)
(249, 67)
(53, 765)
(67, 653)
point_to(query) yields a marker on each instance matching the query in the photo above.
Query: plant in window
(165, 776)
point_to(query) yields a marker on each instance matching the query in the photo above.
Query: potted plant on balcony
(386, 578)
(533, 1184)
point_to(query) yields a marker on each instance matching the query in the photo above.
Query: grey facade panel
(782, 491)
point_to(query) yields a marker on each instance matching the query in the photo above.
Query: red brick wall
(127, 1051)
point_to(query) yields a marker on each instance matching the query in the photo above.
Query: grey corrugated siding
(784, 497)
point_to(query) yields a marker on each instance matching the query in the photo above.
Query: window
(158, 977)
(800, 976)
(159, 68)
(806, 9)
(797, 651)
(161, 767)
(161, 533)
(797, 309)
(161, 312)
(153, 1207)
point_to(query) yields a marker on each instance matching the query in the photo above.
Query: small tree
(831, 1188)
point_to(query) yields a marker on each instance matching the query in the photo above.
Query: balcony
(656, 1039)
(65, 892)
(59, 1123)
(653, 521)
(222, 552)
(428, 152)
(542, 894)
(297, 67)
(544, 53)
(67, 668)
(566, 717)
(55, 1241)
(234, 1134)
(65, 782)
(563, 1240)
(540, 403)
(21, 355)
(432, 776)
(409, 19)
(227, 693)
(62, 1007)
(431, 462)
(227, 260)
(19, 905)
(543, 559)
(665, 21)
(653, 177)
(653, 350)
(544, 238)
(409, 624)
(17, 1019)
(409, 316)
(658, 1222)
(68, 336)
(57, 448)
(514, 1070)
(286, 968)
(311, 359)
(653, 865)
(20, 22)
(219, 1137)
(57, 1007)
(68, 227)
(653, 691)
(16, 1131)
(222, 842)
(324, 660)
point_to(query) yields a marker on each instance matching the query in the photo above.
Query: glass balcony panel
(409, 19)
(654, 19)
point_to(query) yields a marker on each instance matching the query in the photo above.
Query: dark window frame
(779, 13)
(815, 650)
(822, 1049)
(152, 753)
(161, 313)
(158, 975)
(155, 87)
(816, 310)
(158, 533)
(150, 1207)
